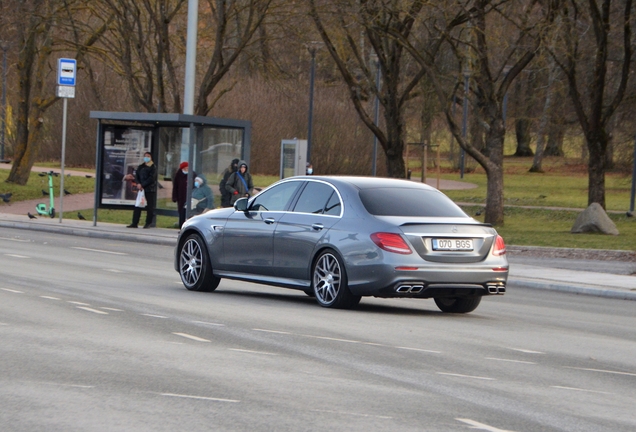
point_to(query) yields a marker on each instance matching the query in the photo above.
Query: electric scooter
(41, 208)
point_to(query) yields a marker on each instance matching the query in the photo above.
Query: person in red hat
(180, 190)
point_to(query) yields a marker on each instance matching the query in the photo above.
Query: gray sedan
(341, 238)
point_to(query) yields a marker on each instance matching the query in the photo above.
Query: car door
(317, 209)
(248, 236)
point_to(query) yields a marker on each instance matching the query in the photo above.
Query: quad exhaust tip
(496, 289)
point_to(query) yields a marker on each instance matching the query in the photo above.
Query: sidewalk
(549, 275)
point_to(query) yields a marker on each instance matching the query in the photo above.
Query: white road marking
(481, 426)
(466, 376)
(112, 309)
(344, 340)
(69, 385)
(154, 316)
(272, 331)
(252, 352)
(602, 370)
(114, 270)
(50, 298)
(92, 310)
(1, 324)
(12, 291)
(99, 250)
(189, 336)
(15, 239)
(78, 303)
(351, 414)
(509, 360)
(209, 323)
(419, 349)
(199, 397)
(526, 351)
(579, 389)
(16, 256)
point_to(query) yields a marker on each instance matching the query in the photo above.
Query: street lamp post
(312, 79)
(464, 124)
(4, 47)
(376, 113)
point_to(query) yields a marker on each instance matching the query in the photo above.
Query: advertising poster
(123, 151)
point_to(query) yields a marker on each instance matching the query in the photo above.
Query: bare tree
(597, 67)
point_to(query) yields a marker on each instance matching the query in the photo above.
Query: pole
(191, 57)
(63, 153)
(631, 200)
(376, 119)
(312, 79)
(4, 100)
(464, 125)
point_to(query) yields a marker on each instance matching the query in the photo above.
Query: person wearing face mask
(146, 179)
(310, 169)
(180, 190)
(202, 197)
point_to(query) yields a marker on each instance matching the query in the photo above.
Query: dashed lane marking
(509, 360)
(16, 256)
(602, 370)
(92, 310)
(50, 298)
(12, 291)
(526, 351)
(200, 397)
(15, 240)
(78, 303)
(154, 316)
(252, 352)
(209, 323)
(344, 340)
(112, 309)
(579, 389)
(192, 337)
(481, 426)
(99, 250)
(114, 270)
(466, 376)
(351, 414)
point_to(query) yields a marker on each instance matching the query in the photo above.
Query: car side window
(276, 198)
(313, 198)
(334, 206)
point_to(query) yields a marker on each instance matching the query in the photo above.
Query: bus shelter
(208, 144)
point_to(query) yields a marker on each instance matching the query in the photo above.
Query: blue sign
(66, 72)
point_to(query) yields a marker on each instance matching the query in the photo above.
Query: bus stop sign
(66, 72)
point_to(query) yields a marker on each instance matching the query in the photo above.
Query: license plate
(452, 244)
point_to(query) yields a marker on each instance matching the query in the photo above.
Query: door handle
(269, 221)
(317, 226)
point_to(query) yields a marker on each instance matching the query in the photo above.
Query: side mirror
(241, 204)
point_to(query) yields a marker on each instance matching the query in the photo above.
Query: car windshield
(409, 202)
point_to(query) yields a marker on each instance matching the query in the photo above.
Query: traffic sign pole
(66, 77)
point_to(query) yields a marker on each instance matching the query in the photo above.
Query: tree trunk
(525, 90)
(495, 174)
(596, 172)
(522, 132)
(556, 135)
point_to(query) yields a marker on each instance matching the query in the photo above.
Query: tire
(194, 265)
(310, 292)
(329, 282)
(457, 305)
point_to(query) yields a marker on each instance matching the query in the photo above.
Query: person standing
(226, 196)
(240, 184)
(202, 197)
(146, 179)
(180, 190)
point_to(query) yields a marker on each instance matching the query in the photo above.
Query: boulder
(594, 219)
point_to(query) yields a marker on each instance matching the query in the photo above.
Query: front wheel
(329, 281)
(194, 265)
(457, 305)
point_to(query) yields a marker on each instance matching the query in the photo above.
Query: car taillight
(500, 247)
(391, 242)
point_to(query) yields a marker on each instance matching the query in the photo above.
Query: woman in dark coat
(180, 190)
(146, 179)
(240, 183)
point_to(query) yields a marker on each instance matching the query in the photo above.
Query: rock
(594, 219)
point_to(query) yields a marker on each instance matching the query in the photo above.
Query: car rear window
(409, 202)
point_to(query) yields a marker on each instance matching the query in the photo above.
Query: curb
(95, 232)
(574, 289)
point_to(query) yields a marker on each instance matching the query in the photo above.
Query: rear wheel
(194, 265)
(329, 282)
(457, 305)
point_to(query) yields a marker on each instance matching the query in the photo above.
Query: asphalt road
(100, 335)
